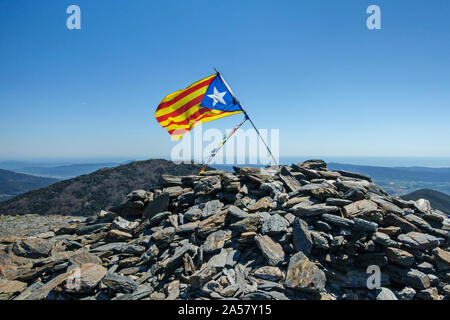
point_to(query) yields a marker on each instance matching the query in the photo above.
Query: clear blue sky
(309, 68)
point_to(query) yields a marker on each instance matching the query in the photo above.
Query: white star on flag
(217, 97)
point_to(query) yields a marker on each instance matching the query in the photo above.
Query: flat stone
(260, 205)
(216, 240)
(337, 220)
(85, 277)
(237, 213)
(157, 218)
(338, 202)
(269, 273)
(32, 248)
(385, 294)
(9, 288)
(400, 257)
(409, 277)
(302, 274)
(251, 223)
(394, 220)
(211, 224)
(292, 184)
(364, 225)
(118, 283)
(271, 250)
(442, 259)
(419, 241)
(355, 175)
(117, 235)
(211, 207)
(83, 256)
(364, 209)
(301, 237)
(208, 185)
(275, 224)
(122, 224)
(383, 239)
(158, 205)
(306, 210)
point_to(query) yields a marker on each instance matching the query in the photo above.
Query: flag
(205, 100)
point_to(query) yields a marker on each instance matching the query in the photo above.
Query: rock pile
(299, 232)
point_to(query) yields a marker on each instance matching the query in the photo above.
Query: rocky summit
(299, 232)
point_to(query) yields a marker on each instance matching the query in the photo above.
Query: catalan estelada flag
(206, 100)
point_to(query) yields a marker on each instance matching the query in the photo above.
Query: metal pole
(246, 115)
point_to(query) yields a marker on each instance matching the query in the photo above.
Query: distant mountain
(66, 171)
(438, 200)
(402, 180)
(12, 183)
(104, 188)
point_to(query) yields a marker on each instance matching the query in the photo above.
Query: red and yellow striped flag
(205, 100)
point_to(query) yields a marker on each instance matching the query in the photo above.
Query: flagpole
(247, 116)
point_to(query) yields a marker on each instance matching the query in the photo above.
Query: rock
(302, 274)
(299, 232)
(158, 205)
(369, 259)
(319, 241)
(289, 180)
(219, 260)
(406, 293)
(301, 237)
(121, 224)
(400, 257)
(275, 224)
(403, 224)
(390, 231)
(193, 213)
(409, 277)
(173, 290)
(354, 175)
(423, 205)
(307, 210)
(365, 226)
(269, 273)
(9, 288)
(315, 164)
(118, 283)
(337, 220)
(338, 202)
(139, 195)
(32, 248)
(210, 224)
(117, 235)
(83, 256)
(428, 294)
(251, 223)
(385, 294)
(237, 213)
(199, 278)
(419, 241)
(322, 194)
(85, 277)
(261, 205)
(364, 209)
(157, 218)
(384, 240)
(216, 240)
(271, 250)
(211, 207)
(208, 185)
